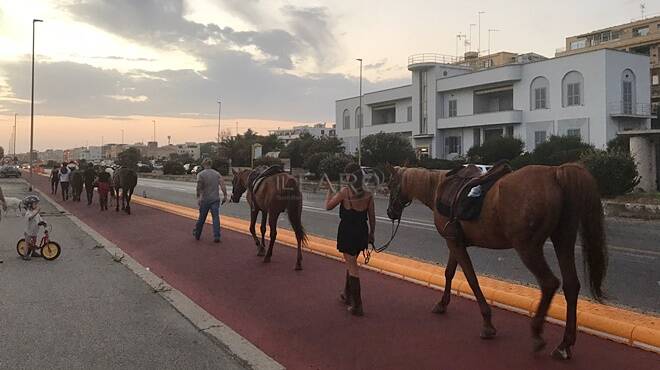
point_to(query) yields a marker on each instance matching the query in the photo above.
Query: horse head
(398, 200)
(239, 184)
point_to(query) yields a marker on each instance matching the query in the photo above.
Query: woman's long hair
(355, 178)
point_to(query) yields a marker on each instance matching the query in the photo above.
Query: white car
(483, 167)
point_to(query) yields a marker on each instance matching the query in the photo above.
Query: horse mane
(421, 183)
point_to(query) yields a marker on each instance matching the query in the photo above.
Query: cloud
(248, 10)
(312, 26)
(377, 65)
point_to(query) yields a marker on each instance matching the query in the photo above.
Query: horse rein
(367, 253)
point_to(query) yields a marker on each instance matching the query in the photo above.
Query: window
(539, 137)
(641, 31)
(627, 91)
(358, 117)
(409, 114)
(453, 145)
(605, 36)
(573, 132)
(578, 44)
(453, 109)
(476, 136)
(572, 89)
(492, 133)
(347, 119)
(539, 93)
(656, 79)
(573, 94)
(509, 131)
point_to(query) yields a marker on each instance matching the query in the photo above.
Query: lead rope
(367, 253)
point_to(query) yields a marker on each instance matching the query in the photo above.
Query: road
(633, 278)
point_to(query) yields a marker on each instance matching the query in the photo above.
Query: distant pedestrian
(65, 174)
(89, 178)
(356, 230)
(209, 181)
(54, 179)
(3, 207)
(104, 188)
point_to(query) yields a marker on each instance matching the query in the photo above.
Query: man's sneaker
(195, 235)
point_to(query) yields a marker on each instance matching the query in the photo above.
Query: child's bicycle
(49, 249)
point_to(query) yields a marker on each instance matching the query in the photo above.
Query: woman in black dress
(356, 230)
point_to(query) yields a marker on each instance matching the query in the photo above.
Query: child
(104, 187)
(33, 221)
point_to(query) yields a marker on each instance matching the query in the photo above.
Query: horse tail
(582, 199)
(294, 199)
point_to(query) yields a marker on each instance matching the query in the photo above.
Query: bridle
(395, 228)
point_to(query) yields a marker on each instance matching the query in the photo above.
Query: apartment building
(449, 107)
(316, 130)
(641, 37)
(191, 149)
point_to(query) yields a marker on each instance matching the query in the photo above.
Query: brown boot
(356, 299)
(345, 296)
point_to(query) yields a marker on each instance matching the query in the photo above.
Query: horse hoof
(439, 308)
(266, 259)
(488, 333)
(539, 344)
(298, 268)
(562, 353)
(261, 253)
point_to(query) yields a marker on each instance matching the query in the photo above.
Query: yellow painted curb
(614, 323)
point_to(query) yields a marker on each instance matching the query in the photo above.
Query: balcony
(425, 60)
(623, 109)
(484, 119)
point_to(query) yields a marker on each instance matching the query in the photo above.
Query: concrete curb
(223, 335)
(613, 323)
(632, 210)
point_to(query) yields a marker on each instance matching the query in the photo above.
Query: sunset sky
(109, 65)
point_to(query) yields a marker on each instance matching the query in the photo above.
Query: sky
(103, 66)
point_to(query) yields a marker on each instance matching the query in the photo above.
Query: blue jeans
(204, 209)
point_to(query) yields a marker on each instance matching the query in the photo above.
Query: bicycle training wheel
(50, 251)
(21, 248)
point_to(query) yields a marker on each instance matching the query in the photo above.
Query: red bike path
(296, 318)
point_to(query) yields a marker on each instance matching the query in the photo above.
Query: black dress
(353, 232)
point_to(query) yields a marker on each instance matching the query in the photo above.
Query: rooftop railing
(433, 58)
(623, 108)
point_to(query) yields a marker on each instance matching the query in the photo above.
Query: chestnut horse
(276, 194)
(521, 211)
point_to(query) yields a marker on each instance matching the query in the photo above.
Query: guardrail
(628, 108)
(433, 58)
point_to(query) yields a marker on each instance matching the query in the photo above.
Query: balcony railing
(628, 109)
(433, 58)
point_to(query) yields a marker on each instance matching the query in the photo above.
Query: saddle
(257, 176)
(462, 194)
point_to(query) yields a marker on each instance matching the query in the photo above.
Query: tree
(496, 149)
(2, 152)
(619, 144)
(208, 149)
(559, 150)
(173, 168)
(615, 171)
(270, 143)
(299, 148)
(382, 148)
(129, 158)
(313, 162)
(267, 161)
(333, 166)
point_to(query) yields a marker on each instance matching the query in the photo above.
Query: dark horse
(521, 211)
(276, 194)
(76, 184)
(126, 180)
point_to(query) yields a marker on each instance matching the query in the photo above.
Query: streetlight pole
(34, 21)
(15, 131)
(358, 118)
(479, 38)
(154, 121)
(219, 111)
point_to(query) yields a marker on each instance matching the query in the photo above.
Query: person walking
(65, 173)
(3, 205)
(356, 230)
(54, 179)
(89, 177)
(209, 181)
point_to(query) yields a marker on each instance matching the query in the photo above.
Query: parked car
(145, 168)
(10, 171)
(197, 169)
(483, 167)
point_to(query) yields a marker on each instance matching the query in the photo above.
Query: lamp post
(219, 110)
(358, 118)
(14, 146)
(34, 22)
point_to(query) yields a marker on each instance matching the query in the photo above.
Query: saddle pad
(260, 173)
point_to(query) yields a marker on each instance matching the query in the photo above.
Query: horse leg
(253, 220)
(128, 201)
(463, 259)
(272, 223)
(117, 199)
(535, 262)
(264, 217)
(564, 249)
(450, 270)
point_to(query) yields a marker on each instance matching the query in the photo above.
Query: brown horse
(125, 179)
(276, 194)
(521, 211)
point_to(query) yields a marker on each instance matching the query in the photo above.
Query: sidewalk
(85, 310)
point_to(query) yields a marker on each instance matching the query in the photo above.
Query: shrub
(561, 149)
(333, 166)
(615, 172)
(221, 165)
(267, 161)
(382, 148)
(619, 144)
(440, 164)
(522, 161)
(495, 149)
(173, 168)
(313, 162)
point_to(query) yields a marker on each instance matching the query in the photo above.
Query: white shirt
(64, 177)
(32, 219)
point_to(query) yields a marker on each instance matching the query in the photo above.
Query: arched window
(358, 117)
(347, 119)
(539, 93)
(628, 91)
(572, 89)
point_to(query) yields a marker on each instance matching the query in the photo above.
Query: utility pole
(219, 110)
(34, 21)
(15, 131)
(479, 38)
(358, 118)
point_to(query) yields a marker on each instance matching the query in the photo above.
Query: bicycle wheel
(51, 251)
(21, 247)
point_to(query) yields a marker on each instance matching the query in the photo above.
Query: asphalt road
(633, 278)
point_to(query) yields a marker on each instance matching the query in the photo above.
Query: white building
(449, 108)
(317, 130)
(191, 149)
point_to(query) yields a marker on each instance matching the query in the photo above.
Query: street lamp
(219, 110)
(358, 118)
(34, 21)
